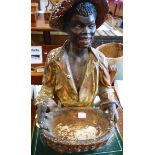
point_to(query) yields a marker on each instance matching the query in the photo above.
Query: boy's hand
(41, 111)
(112, 110)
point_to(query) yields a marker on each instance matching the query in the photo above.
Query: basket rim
(105, 136)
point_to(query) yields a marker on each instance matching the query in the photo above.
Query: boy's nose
(86, 30)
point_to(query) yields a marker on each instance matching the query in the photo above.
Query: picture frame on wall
(36, 55)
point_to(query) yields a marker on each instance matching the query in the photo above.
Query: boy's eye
(92, 25)
(78, 25)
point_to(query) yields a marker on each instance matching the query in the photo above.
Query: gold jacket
(59, 85)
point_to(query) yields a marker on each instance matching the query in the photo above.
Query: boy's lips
(85, 40)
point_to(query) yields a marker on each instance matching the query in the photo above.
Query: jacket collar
(63, 50)
(62, 61)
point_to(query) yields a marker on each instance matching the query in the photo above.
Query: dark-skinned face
(81, 30)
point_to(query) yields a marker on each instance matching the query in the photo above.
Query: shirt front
(59, 84)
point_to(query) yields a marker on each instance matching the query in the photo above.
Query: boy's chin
(84, 45)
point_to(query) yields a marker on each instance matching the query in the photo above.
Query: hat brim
(56, 17)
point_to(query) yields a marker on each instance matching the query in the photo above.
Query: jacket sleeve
(106, 92)
(47, 90)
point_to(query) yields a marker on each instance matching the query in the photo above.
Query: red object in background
(115, 9)
(33, 17)
(117, 2)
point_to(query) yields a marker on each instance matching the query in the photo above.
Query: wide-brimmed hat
(57, 15)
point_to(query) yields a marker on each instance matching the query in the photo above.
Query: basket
(114, 53)
(68, 141)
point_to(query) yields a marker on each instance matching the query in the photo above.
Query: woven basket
(94, 117)
(114, 54)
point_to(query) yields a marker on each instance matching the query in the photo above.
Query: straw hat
(64, 6)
